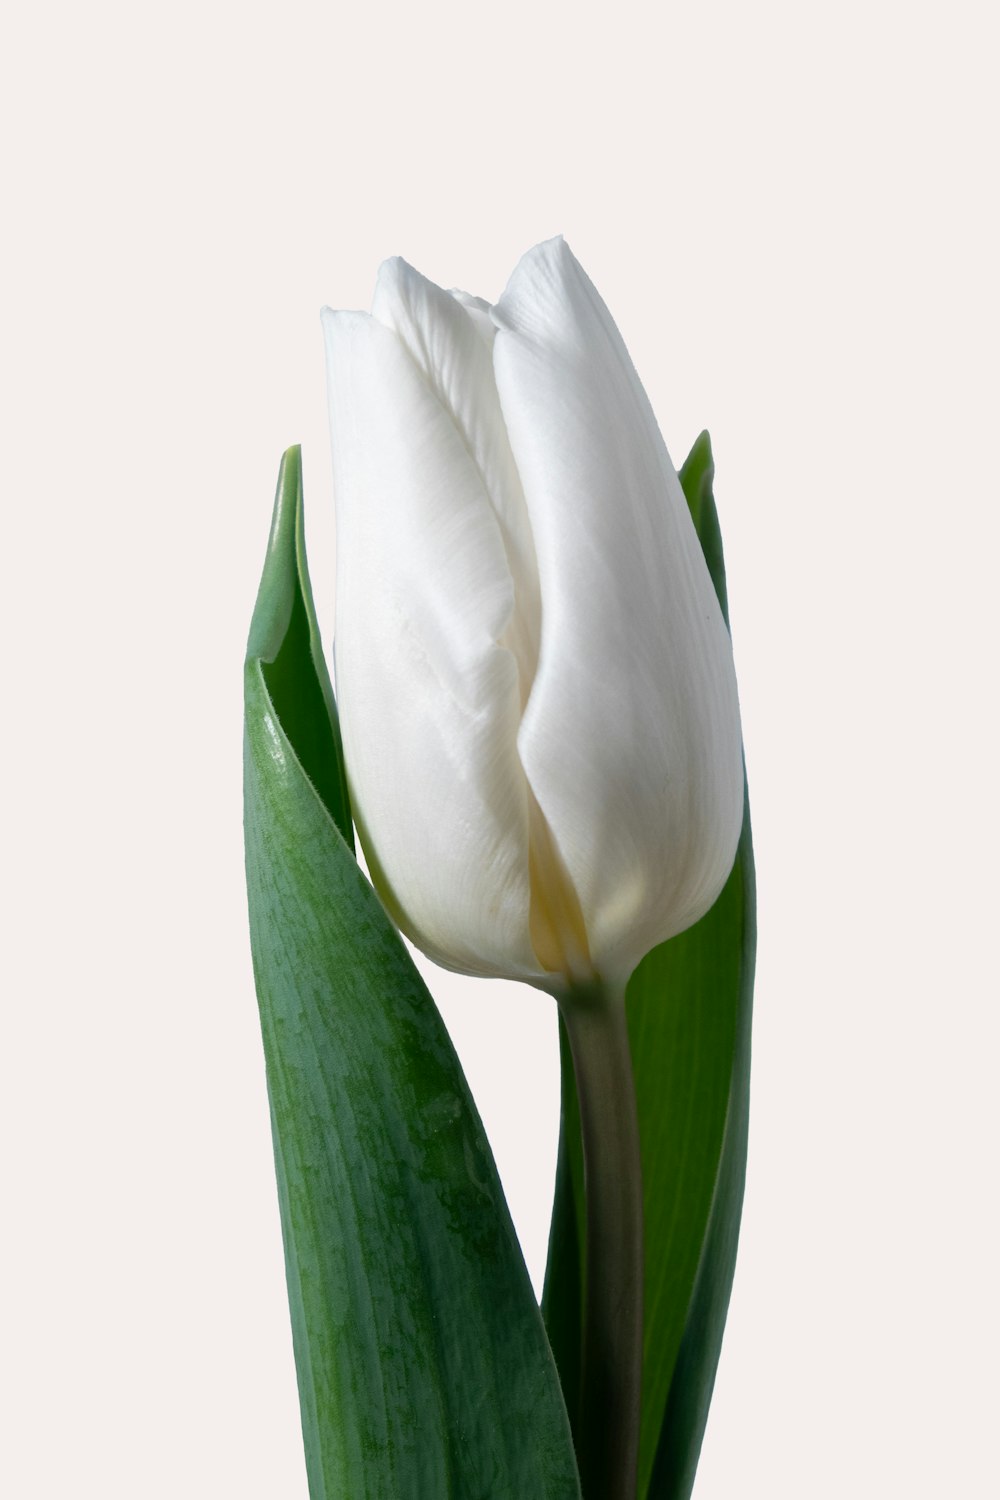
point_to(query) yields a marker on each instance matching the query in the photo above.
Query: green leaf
(422, 1362)
(689, 1006)
(285, 641)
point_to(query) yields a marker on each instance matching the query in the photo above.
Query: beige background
(791, 210)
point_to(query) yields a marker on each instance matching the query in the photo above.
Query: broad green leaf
(422, 1361)
(689, 1005)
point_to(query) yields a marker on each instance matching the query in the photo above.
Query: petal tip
(550, 263)
(392, 270)
(340, 327)
(395, 281)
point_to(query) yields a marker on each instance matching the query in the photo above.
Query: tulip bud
(535, 680)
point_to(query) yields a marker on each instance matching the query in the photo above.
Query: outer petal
(429, 701)
(631, 739)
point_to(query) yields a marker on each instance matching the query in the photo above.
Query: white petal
(429, 700)
(631, 738)
(443, 333)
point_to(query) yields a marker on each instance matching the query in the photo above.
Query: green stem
(612, 1330)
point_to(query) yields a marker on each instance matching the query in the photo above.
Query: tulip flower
(535, 680)
(537, 698)
(541, 742)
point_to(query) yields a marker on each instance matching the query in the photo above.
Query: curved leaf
(689, 1005)
(422, 1362)
(693, 1376)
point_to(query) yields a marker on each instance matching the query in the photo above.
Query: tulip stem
(608, 1434)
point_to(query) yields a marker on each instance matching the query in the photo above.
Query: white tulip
(535, 680)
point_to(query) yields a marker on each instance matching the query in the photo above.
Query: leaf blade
(730, 929)
(422, 1362)
(693, 1377)
(689, 1014)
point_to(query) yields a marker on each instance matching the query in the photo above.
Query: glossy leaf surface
(422, 1361)
(689, 1005)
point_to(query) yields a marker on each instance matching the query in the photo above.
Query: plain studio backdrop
(791, 211)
